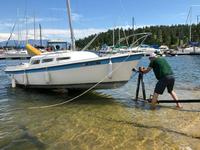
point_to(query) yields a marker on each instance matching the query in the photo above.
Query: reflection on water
(103, 119)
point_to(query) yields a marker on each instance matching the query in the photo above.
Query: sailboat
(73, 69)
(193, 47)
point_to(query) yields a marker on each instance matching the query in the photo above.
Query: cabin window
(34, 62)
(47, 60)
(62, 58)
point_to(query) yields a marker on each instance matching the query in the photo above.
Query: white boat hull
(80, 75)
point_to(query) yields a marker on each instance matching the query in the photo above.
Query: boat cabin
(57, 45)
(62, 57)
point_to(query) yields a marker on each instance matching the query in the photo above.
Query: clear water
(103, 119)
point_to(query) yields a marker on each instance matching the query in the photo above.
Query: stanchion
(140, 80)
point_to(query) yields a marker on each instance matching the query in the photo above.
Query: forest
(173, 36)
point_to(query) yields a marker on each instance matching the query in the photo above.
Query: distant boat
(191, 50)
(74, 69)
(1, 51)
(146, 49)
(14, 54)
(57, 45)
(164, 48)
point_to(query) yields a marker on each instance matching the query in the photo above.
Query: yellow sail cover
(32, 50)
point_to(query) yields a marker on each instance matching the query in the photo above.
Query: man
(164, 74)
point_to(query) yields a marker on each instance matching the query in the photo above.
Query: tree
(172, 36)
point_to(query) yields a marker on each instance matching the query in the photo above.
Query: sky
(89, 16)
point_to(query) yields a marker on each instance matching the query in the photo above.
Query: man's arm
(145, 70)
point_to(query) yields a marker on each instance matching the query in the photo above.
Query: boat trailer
(141, 81)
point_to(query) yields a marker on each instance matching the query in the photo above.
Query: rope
(76, 97)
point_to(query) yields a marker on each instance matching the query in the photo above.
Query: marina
(15, 56)
(101, 83)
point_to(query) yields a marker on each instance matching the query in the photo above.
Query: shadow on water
(24, 141)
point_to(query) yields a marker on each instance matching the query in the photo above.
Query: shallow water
(103, 119)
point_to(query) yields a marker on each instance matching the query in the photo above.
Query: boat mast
(26, 30)
(11, 33)
(26, 21)
(73, 47)
(119, 36)
(18, 43)
(113, 37)
(34, 30)
(190, 36)
(40, 35)
(198, 19)
(189, 22)
(133, 27)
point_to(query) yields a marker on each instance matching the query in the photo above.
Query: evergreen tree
(172, 36)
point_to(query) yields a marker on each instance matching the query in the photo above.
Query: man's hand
(142, 69)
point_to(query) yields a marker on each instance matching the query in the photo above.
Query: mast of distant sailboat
(40, 35)
(73, 47)
(34, 30)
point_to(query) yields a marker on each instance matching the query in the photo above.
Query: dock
(16, 56)
(188, 53)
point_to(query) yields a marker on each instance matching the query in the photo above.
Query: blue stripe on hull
(78, 65)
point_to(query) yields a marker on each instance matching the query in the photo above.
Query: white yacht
(191, 50)
(15, 54)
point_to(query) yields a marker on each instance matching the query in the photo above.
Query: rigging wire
(11, 33)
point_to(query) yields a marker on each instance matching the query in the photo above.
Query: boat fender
(47, 76)
(110, 70)
(13, 82)
(25, 78)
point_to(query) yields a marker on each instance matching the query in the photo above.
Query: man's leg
(159, 89)
(170, 86)
(175, 98)
(155, 98)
